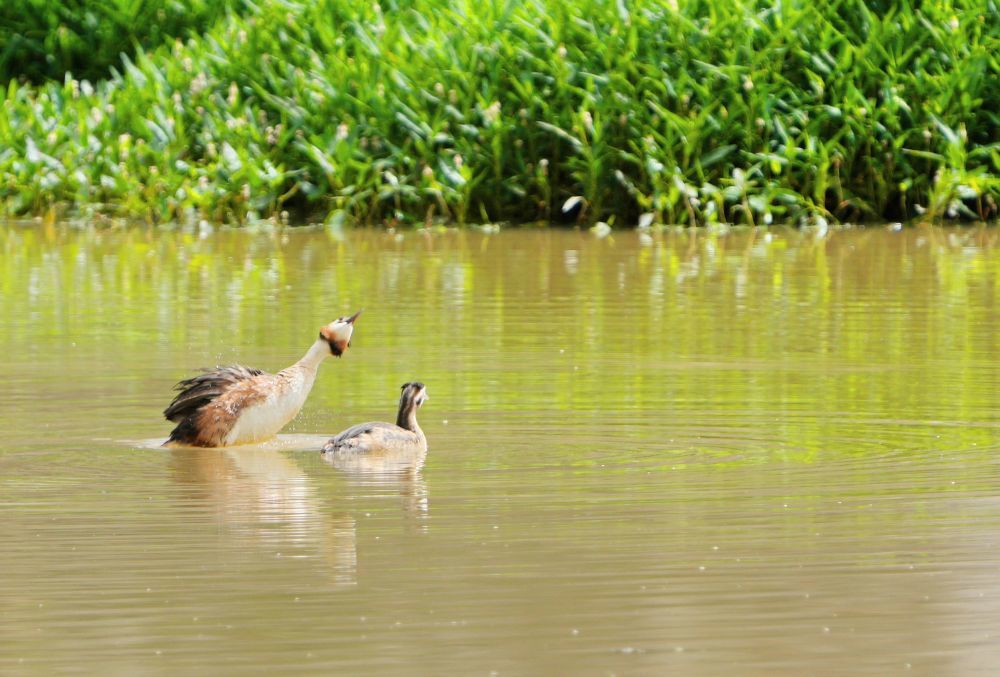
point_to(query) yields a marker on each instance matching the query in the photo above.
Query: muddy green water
(744, 453)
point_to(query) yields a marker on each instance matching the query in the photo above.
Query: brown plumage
(209, 405)
(197, 391)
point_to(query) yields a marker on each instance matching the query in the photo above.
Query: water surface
(761, 452)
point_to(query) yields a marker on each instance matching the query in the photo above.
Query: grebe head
(414, 392)
(412, 396)
(338, 334)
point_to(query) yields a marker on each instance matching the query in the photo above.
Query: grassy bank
(701, 111)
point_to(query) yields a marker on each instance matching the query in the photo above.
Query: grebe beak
(353, 317)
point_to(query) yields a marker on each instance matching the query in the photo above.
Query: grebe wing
(363, 436)
(197, 391)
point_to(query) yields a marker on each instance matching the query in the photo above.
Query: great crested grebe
(238, 405)
(406, 435)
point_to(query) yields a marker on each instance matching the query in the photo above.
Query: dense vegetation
(696, 110)
(42, 39)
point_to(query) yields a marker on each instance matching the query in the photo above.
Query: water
(695, 453)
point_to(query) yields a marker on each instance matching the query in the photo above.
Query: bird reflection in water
(264, 499)
(388, 470)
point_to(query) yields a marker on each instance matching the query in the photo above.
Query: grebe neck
(317, 352)
(407, 418)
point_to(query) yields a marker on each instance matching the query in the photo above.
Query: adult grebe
(406, 435)
(238, 405)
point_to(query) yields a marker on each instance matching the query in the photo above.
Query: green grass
(718, 110)
(44, 39)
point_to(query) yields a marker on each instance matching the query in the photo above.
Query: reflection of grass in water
(756, 338)
(726, 110)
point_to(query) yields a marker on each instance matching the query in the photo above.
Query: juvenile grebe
(238, 405)
(378, 436)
